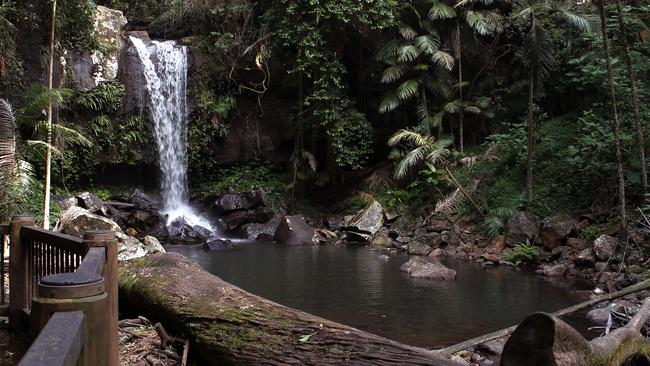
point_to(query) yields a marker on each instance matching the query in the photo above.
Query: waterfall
(165, 72)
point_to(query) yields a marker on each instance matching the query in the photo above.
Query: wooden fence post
(107, 239)
(18, 272)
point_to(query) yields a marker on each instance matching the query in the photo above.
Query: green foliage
(522, 253)
(245, 176)
(76, 24)
(105, 98)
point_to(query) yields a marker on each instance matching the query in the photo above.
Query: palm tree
(48, 149)
(424, 149)
(482, 22)
(635, 98)
(539, 53)
(412, 61)
(617, 124)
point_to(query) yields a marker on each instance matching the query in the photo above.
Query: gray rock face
(522, 226)
(152, 245)
(89, 69)
(293, 230)
(368, 220)
(417, 248)
(418, 267)
(557, 270)
(256, 229)
(238, 218)
(605, 246)
(76, 221)
(382, 241)
(90, 202)
(555, 229)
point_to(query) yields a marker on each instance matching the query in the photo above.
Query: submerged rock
(418, 267)
(217, 244)
(293, 230)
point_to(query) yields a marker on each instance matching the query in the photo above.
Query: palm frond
(477, 21)
(389, 51)
(443, 59)
(450, 203)
(453, 106)
(410, 160)
(405, 136)
(408, 89)
(7, 136)
(428, 43)
(440, 10)
(394, 73)
(407, 32)
(390, 102)
(408, 53)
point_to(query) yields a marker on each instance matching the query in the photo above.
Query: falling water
(165, 71)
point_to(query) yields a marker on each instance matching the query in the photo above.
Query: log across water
(228, 325)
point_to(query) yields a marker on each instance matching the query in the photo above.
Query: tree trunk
(635, 99)
(228, 325)
(543, 339)
(461, 114)
(48, 147)
(529, 160)
(617, 126)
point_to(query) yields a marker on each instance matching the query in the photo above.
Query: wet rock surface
(418, 267)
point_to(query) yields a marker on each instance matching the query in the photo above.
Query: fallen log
(544, 340)
(448, 351)
(227, 325)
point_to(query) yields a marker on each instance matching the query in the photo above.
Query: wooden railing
(64, 289)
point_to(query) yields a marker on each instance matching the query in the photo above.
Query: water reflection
(361, 288)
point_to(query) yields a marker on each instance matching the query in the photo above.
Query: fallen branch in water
(448, 351)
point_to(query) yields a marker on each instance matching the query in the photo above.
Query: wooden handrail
(59, 343)
(69, 243)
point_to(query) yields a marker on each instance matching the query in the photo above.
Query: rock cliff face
(88, 69)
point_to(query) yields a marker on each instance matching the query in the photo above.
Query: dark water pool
(364, 289)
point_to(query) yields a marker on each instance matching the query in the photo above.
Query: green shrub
(521, 253)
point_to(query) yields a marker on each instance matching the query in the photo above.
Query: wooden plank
(94, 261)
(59, 343)
(66, 242)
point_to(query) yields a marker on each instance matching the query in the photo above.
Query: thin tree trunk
(529, 160)
(48, 148)
(461, 115)
(635, 99)
(617, 126)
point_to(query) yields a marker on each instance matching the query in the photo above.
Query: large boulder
(585, 258)
(76, 221)
(90, 202)
(523, 226)
(605, 246)
(557, 270)
(554, 230)
(293, 230)
(368, 220)
(236, 219)
(254, 230)
(227, 202)
(418, 267)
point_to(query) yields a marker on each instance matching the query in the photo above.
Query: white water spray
(166, 83)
